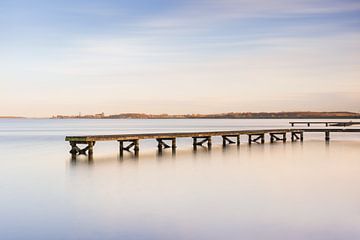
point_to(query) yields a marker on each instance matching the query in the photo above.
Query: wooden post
(74, 150)
(159, 144)
(250, 139)
(194, 142)
(209, 142)
(160, 147)
(90, 150)
(262, 138)
(238, 140)
(173, 143)
(284, 137)
(136, 148)
(224, 141)
(136, 145)
(327, 136)
(173, 146)
(121, 148)
(121, 143)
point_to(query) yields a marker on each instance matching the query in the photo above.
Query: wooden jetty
(130, 142)
(326, 123)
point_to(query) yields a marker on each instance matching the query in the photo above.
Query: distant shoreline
(11, 117)
(231, 115)
(204, 118)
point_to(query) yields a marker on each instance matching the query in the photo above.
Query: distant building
(99, 115)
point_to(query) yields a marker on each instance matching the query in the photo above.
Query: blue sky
(65, 57)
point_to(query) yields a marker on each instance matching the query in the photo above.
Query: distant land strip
(10, 117)
(231, 115)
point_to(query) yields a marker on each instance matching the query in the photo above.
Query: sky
(178, 56)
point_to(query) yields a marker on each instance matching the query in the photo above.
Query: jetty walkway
(130, 142)
(326, 123)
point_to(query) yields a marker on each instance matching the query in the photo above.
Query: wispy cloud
(207, 12)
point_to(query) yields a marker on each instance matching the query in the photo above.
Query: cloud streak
(207, 12)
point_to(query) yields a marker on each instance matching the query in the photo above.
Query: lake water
(306, 190)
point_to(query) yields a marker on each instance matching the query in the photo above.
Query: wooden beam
(260, 136)
(204, 140)
(227, 140)
(277, 137)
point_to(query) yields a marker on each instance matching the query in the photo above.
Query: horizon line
(178, 115)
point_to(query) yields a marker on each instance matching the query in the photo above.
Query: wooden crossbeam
(127, 148)
(227, 140)
(297, 136)
(204, 140)
(260, 137)
(277, 137)
(162, 144)
(88, 150)
(134, 143)
(83, 151)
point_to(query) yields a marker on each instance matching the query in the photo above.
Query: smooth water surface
(306, 190)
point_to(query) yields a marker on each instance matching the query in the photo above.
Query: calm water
(297, 190)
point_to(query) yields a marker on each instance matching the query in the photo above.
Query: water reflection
(199, 152)
(292, 191)
(193, 153)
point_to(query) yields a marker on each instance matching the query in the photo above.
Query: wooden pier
(326, 123)
(130, 142)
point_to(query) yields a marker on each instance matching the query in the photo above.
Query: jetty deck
(169, 135)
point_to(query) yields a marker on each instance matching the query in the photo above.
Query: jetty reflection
(162, 155)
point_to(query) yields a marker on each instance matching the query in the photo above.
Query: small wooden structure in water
(130, 142)
(327, 124)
